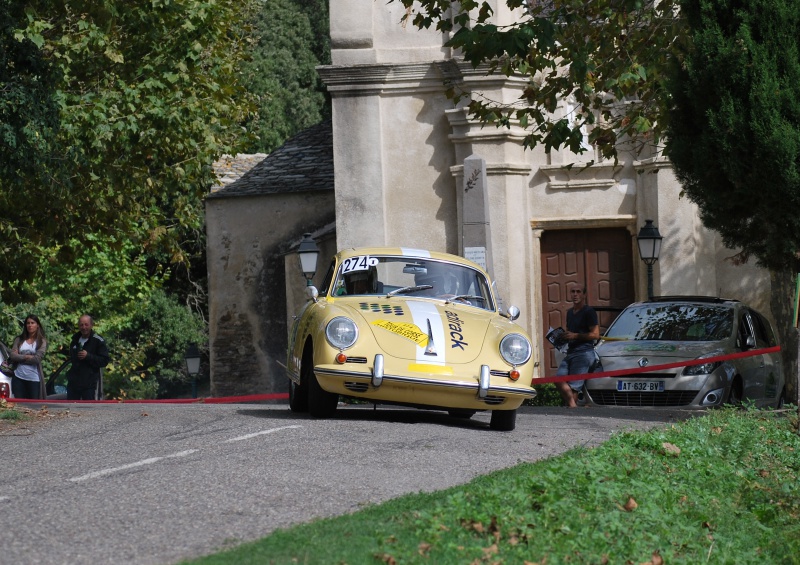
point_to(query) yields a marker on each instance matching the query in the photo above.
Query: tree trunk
(782, 305)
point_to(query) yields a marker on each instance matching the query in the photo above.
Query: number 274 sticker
(360, 263)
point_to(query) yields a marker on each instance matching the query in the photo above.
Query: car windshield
(412, 277)
(673, 322)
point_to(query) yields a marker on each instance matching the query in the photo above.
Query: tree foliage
(28, 108)
(149, 97)
(111, 115)
(734, 137)
(607, 59)
(734, 128)
(289, 39)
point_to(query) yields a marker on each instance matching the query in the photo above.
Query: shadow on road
(384, 413)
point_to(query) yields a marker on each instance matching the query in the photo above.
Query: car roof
(695, 299)
(410, 252)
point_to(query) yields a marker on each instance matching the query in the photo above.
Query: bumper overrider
(484, 390)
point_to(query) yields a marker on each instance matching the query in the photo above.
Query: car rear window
(673, 322)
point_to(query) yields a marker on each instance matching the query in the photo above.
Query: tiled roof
(229, 169)
(304, 162)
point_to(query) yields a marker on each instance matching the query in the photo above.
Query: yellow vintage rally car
(410, 327)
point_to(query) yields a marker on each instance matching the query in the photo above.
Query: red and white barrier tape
(651, 368)
(536, 381)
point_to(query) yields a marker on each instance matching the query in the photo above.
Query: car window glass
(768, 331)
(372, 275)
(745, 331)
(758, 329)
(673, 322)
(326, 282)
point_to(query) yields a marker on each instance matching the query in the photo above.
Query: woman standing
(28, 351)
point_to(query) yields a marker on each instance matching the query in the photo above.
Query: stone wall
(248, 239)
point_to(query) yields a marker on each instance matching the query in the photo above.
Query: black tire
(781, 400)
(460, 413)
(735, 395)
(503, 420)
(321, 403)
(298, 396)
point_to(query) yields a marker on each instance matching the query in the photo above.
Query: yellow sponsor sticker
(404, 329)
(426, 368)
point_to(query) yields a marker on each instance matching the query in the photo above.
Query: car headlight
(702, 369)
(515, 349)
(341, 332)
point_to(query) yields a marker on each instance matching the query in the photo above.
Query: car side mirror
(312, 292)
(512, 313)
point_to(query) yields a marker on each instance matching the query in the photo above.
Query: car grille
(356, 387)
(360, 360)
(499, 373)
(666, 398)
(494, 400)
(388, 309)
(651, 376)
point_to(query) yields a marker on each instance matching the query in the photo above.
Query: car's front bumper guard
(378, 376)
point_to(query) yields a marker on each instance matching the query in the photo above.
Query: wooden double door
(601, 260)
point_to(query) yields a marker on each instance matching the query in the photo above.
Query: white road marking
(150, 461)
(265, 432)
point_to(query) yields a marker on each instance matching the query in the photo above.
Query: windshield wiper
(463, 297)
(409, 289)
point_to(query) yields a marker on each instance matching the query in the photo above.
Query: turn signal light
(513, 375)
(341, 358)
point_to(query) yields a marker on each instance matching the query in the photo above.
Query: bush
(546, 395)
(147, 343)
(152, 347)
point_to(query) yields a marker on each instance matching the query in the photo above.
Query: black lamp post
(308, 252)
(649, 241)
(192, 357)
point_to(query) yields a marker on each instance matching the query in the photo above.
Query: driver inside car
(363, 282)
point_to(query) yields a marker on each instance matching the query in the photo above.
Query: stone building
(252, 224)
(403, 165)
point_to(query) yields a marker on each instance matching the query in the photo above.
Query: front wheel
(321, 403)
(735, 396)
(503, 420)
(298, 396)
(781, 399)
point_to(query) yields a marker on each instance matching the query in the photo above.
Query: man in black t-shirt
(582, 331)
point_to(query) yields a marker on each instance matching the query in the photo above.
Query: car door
(750, 368)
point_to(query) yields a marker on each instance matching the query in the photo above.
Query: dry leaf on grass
(629, 506)
(655, 559)
(671, 449)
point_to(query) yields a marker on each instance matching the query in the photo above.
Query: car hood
(402, 328)
(668, 351)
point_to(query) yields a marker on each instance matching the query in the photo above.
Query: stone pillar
(476, 233)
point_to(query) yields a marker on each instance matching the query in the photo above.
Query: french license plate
(640, 386)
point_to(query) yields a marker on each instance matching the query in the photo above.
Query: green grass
(11, 414)
(721, 488)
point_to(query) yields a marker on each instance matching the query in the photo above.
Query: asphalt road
(154, 484)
